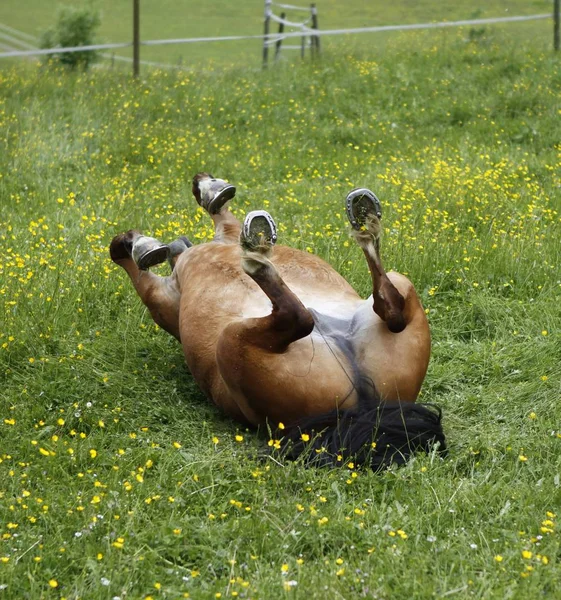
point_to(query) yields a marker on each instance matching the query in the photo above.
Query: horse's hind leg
(364, 212)
(249, 351)
(289, 320)
(213, 195)
(159, 294)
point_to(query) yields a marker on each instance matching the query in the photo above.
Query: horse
(276, 338)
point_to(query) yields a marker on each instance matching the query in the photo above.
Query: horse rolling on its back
(272, 334)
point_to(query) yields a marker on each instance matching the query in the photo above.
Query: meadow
(172, 19)
(119, 480)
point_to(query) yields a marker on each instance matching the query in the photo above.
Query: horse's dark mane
(375, 433)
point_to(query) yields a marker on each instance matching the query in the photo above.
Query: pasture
(118, 480)
(167, 19)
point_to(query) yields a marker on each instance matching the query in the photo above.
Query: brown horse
(275, 335)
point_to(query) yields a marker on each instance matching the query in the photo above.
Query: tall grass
(118, 479)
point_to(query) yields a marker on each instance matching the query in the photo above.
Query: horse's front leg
(159, 294)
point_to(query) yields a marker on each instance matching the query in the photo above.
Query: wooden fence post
(556, 19)
(266, 32)
(315, 38)
(279, 41)
(136, 37)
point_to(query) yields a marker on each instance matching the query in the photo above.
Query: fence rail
(320, 32)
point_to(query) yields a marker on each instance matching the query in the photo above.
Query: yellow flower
(239, 438)
(93, 453)
(176, 445)
(305, 437)
(498, 558)
(53, 583)
(526, 554)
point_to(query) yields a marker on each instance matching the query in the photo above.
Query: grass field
(167, 19)
(118, 480)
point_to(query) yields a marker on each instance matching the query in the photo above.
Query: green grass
(167, 19)
(112, 480)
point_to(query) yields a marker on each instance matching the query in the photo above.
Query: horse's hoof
(179, 246)
(212, 193)
(121, 245)
(148, 252)
(259, 231)
(361, 204)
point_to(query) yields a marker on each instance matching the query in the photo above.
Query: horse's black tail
(376, 435)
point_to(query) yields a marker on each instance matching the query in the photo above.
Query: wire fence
(306, 30)
(23, 47)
